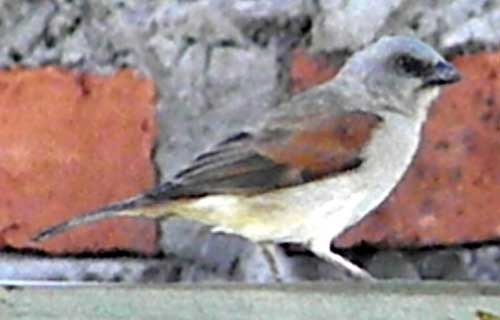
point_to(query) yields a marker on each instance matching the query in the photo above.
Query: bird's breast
(331, 205)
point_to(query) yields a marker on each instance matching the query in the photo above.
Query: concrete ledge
(384, 300)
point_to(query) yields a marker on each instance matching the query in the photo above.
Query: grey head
(398, 71)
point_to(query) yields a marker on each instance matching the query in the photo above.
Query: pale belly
(322, 208)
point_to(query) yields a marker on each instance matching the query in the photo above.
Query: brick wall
(100, 100)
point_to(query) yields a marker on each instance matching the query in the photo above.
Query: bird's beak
(443, 73)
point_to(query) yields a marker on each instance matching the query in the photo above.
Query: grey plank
(383, 300)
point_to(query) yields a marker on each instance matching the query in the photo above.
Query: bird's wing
(284, 153)
(277, 156)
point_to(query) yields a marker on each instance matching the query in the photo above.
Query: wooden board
(383, 300)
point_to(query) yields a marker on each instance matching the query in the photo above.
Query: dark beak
(443, 73)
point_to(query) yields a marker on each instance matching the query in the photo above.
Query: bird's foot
(270, 253)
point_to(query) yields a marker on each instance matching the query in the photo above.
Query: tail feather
(142, 205)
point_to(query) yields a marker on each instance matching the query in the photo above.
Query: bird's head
(400, 71)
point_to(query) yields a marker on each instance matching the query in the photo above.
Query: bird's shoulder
(319, 144)
(287, 150)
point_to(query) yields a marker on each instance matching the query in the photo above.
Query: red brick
(451, 194)
(71, 143)
(307, 70)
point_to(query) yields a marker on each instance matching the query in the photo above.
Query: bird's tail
(140, 206)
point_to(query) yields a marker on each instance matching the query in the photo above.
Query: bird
(317, 165)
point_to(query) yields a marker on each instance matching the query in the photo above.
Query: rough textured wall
(75, 139)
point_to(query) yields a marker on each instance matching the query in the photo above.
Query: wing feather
(278, 157)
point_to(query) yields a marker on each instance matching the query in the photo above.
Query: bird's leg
(269, 251)
(323, 251)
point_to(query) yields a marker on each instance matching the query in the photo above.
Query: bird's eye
(412, 66)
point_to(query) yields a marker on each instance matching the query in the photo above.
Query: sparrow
(319, 164)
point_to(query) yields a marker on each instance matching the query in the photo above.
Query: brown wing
(326, 146)
(277, 157)
(295, 151)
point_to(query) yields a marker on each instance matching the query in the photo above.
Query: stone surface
(27, 25)
(448, 24)
(211, 255)
(450, 194)
(349, 25)
(249, 265)
(211, 80)
(483, 264)
(71, 34)
(219, 66)
(445, 265)
(72, 143)
(391, 265)
(17, 267)
(481, 31)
